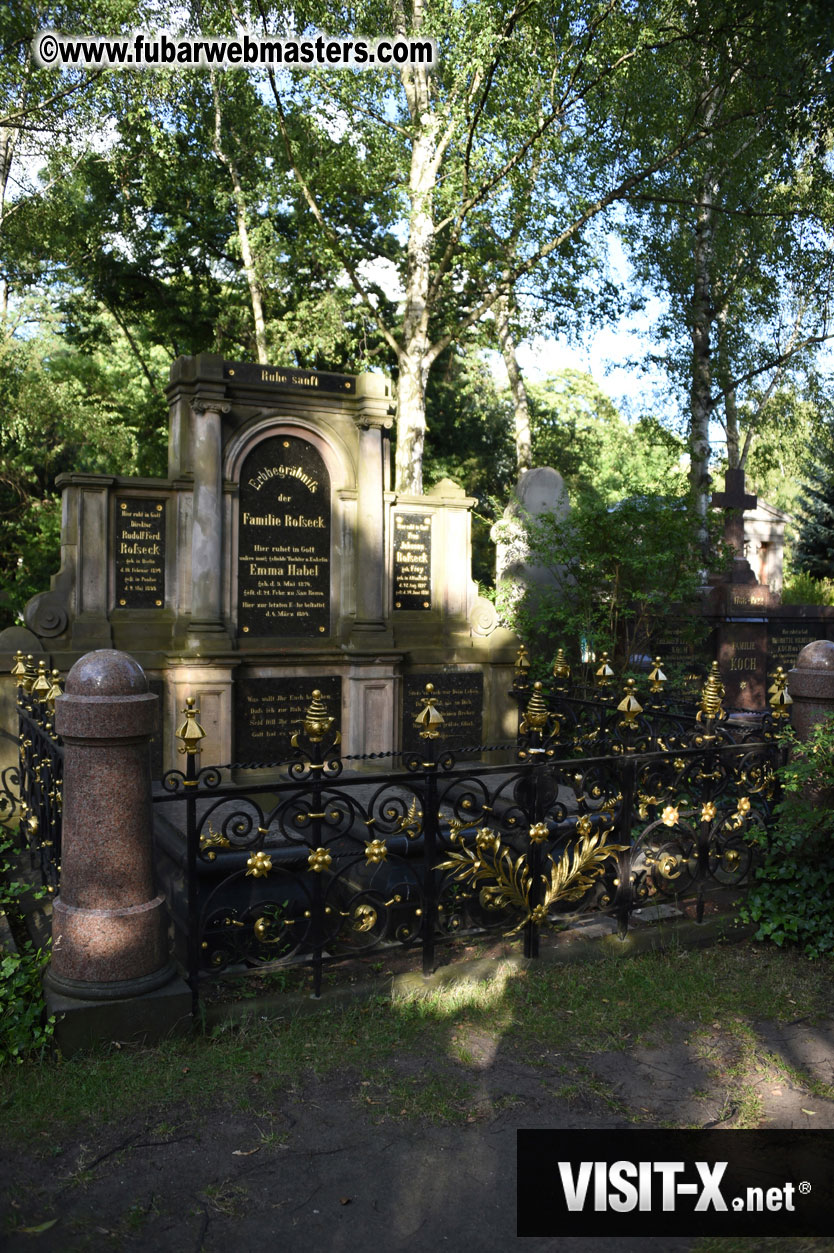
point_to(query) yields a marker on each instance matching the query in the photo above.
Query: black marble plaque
(311, 381)
(742, 660)
(139, 553)
(788, 637)
(458, 697)
(268, 712)
(412, 561)
(283, 565)
(685, 652)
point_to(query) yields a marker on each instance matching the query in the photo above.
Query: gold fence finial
(190, 731)
(521, 677)
(780, 698)
(19, 668)
(317, 721)
(55, 690)
(561, 667)
(656, 676)
(603, 674)
(712, 695)
(41, 685)
(535, 715)
(429, 720)
(29, 674)
(630, 706)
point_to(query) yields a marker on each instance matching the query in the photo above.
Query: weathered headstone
(274, 558)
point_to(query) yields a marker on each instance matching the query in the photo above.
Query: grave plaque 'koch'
(139, 553)
(283, 565)
(412, 561)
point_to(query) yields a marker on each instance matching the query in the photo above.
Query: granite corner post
(811, 687)
(110, 974)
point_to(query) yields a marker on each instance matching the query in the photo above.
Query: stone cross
(734, 500)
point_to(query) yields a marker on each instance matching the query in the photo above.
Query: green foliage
(468, 440)
(620, 578)
(792, 898)
(577, 430)
(24, 1029)
(801, 589)
(63, 412)
(814, 553)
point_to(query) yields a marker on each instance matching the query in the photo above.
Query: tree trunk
(249, 267)
(411, 389)
(701, 389)
(521, 405)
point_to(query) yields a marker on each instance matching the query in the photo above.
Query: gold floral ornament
(670, 816)
(211, 841)
(511, 882)
(487, 841)
(742, 807)
(259, 865)
(320, 859)
(584, 825)
(375, 852)
(708, 811)
(538, 833)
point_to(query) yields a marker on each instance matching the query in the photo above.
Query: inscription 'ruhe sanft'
(284, 540)
(139, 556)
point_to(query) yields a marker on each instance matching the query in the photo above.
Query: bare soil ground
(335, 1164)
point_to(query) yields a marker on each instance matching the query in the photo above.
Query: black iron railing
(314, 866)
(30, 791)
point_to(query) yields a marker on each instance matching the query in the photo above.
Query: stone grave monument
(274, 558)
(752, 631)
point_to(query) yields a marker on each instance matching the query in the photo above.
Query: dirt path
(335, 1166)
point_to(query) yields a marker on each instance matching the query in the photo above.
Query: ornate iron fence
(30, 792)
(315, 866)
(614, 801)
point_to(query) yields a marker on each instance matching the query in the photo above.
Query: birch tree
(518, 89)
(738, 234)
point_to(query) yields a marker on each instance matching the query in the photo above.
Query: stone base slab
(81, 1024)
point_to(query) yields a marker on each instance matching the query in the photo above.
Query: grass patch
(535, 1014)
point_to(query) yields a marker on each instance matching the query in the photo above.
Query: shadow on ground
(345, 1163)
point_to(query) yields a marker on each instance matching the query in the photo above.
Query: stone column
(370, 539)
(207, 520)
(811, 686)
(109, 928)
